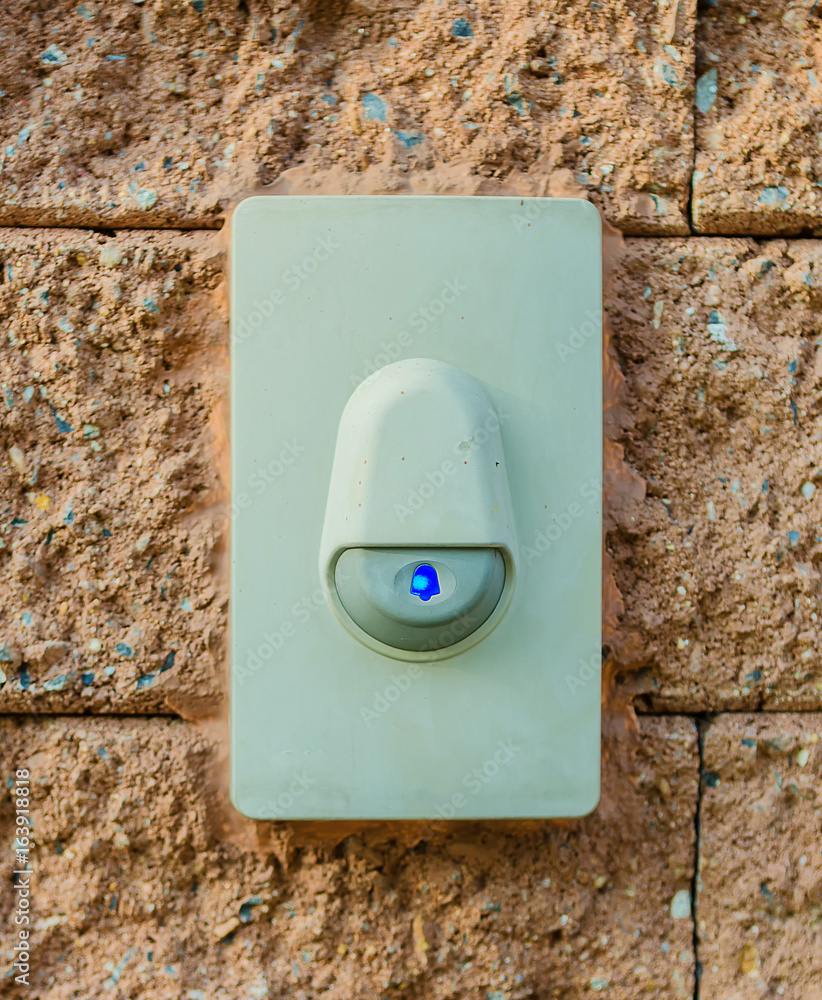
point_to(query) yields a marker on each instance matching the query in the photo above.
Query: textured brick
(165, 111)
(719, 566)
(143, 887)
(758, 903)
(759, 152)
(110, 367)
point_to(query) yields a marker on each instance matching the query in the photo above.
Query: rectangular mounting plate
(324, 291)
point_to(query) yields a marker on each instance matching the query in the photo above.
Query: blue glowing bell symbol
(424, 583)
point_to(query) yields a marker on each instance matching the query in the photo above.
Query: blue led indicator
(425, 583)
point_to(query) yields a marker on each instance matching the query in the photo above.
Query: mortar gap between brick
(41, 716)
(702, 722)
(116, 228)
(704, 234)
(689, 212)
(696, 713)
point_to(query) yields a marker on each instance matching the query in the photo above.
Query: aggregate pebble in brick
(108, 380)
(164, 111)
(758, 904)
(719, 567)
(136, 894)
(759, 118)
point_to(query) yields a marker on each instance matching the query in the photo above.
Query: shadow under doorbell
(416, 597)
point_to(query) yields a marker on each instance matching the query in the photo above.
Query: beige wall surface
(131, 128)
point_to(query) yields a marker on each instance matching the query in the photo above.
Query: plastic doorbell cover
(386, 494)
(492, 308)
